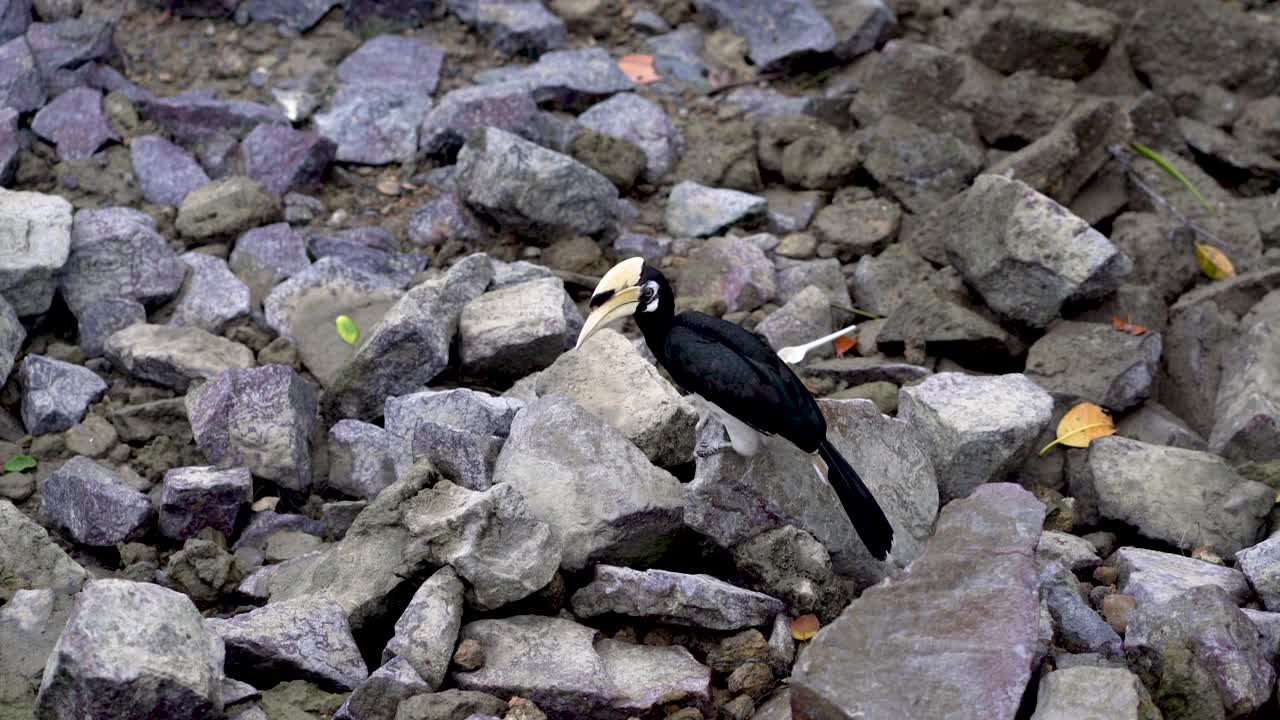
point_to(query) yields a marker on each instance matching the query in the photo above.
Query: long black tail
(859, 504)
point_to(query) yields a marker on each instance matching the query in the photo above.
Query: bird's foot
(711, 449)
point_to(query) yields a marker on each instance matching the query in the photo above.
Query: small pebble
(469, 656)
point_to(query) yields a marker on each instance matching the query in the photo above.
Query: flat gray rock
(699, 601)
(394, 60)
(1091, 692)
(195, 498)
(505, 334)
(1246, 425)
(695, 210)
(805, 317)
(976, 577)
(1096, 363)
(93, 505)
(35, 242)
(31, 560)
(975, 429)
(1152, 576)
(56, 394)
(174, 663)
(1261, 564)
(427, 632)
(1153, 423)
(174, 357)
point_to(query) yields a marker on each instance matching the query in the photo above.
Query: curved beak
(622, 304)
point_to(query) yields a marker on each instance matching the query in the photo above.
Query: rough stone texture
(21, 87)
(228, 206)
(30, 623)
(281, 158)
(459, 431)
(602, 498)
(1092, 693)
(730, 268)
(1152, 576)
(374, 124)
(789, 564)
(295, 639)
(299, 15)
(642, 122)
(64, 50)
(1200, 655)
(11, 143)
(515, 28)
(1183, 497)
(195, 498)
(1008, 243)
(922, 168)
(733, 499)
(198, 115)
(531, 189)
(428, 630)
(363, 14)
(260, 418)
(695, 210)
(394, 60)
(174, 357)
(75, 123)
(211, 297)
(605, 679)
(700, 601)
(452, 704)
(1096, 363)
(947, 328)
(267, 256)
(805, 317)
(358, 254)
(570, 80)
(361, 459)
(133, 650)
(117, 253)
(12, 335)
(379, 697)
(1246, 424)
(29, 559)
(1153, 423)
(1078, 628)
(56, 394)
(881, 283)
(506, 106)
(442, 219)
(777, 33)
(1261, 564)
(975, 429)
(36, 232)
(972, 592)
(612, 380)
(93, 505)
(166, 173)
(330, 282)
(510, 332)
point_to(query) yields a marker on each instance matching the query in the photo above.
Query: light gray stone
(460, 431)
(117, 253)
(695, 210)
(427, 632)
(30, 623)
(30, 560)
(700, 601)
(733, 269)
(1261, 564)
(566, 79)
(56, 394)
(379, 697)
(1091, 693)
(508, 333)
(35, 242)
(1075, 553)
(374, 124)
(93, 505)
(1246, 424)
(1153, 577)
(641, 122)
(362, 459)
(211, 297)
(174, 357)
(805, 317)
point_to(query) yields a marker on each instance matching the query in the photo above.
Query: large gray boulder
(700, 601)
(1246, 424)
(93, 505)
(174, 357)
(976, 578)
(597, 491)
(132, 650)
(212, 297)
(29, 559)
(510, 332)
(426, 633)
(36, 232)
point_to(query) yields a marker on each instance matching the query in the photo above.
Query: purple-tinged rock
(93, 505)
(515, 28)
(267, 256)
(1261, 564)
(730, 268)
(35, 241)
(15, 16)
(198, 115)
(976, 578)
(427, 631)
(328, 277)
(117, 253)
(174, 356)
(459, 430)
(102, 318)
(21, 86)
(373, 236)
(442, 219)
(166, 173)
(665, 597)
(64, 50)
(399, 268)
(379, 697)
(32, 560)
(570, 80)
(10, 144)
(212, 297)
(778, 32)
(174, 663)
(260, 418)
(109, 80)
(303, 639)
(374, 124)
(268, 522)
(643, 123)
(56, 394)
(195, 498)
(12, 335)
(362, 459)
(200, 8)
(568, 671)
(75, 123)
(282, 158)
(394, 60)
(396, 13)
(300, 15)
(506, 106)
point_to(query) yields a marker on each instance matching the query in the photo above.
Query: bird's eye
(646, 293)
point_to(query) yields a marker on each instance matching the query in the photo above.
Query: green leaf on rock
(1168, 167)
(347, 330)
(20, 463)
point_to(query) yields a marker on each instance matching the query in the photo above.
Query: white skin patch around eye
(650, 296)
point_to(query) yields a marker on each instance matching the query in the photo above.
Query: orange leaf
(639, 68)
(844, 344)
(1214, 263)
(804, 627)
(1082, 424)
(1128, 326)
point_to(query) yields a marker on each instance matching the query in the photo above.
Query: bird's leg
(710, 447)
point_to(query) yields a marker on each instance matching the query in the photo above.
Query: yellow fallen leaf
(804, 627)
(1082, 424)
(1214, 263)
(639, 68)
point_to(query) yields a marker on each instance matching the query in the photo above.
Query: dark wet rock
(1154, 577)
(56, 394)
(732, 269)
(566, 480)
(75, 123)
(1058, 39)
(379, 697)
(1203, 43)
(295, 639)
(531, 189)
(228, 206)
(176, 663)
(93, 505)
(880, 283)
(299, 15)
(641, 122)
(201, 8)
(195, 498)
(1200, 655)
(165, 172)
(1161, 249)
(925, 85)
(606, 678)
(777, 33)
(1261, 564)
(569, 80)
(390, 13)
(1189, 499)
(260, 418)
(197, 115)
(976, 430)
(211, 297)
(21, 86)
(506, 106)
(1246, 424)
(116, 253)
(64, 49)
(1095, 363)
(35, 239)
(1153, 423)
(667, 597)
(507, 333)
(174, 357)
(410, 346)
(374, 124)
(1069, 693)
(1078, 628)
(361, 459)
(983, 542)
(695, 210)
(31, 560)
(426, 633)
(1006, 243)
(920, 167)
(442, 219)
(789, 564)
(282, 159)
(514, 28)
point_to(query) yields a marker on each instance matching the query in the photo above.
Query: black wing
(738, 371)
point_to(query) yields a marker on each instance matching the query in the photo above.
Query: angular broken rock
(1261, 564)
(195, 498)
(174, 356)
(699, 601)
(1182, 497)
(1096, 363)
(1078, 628)
(93, 505)
(806, 316)
(118, 253)
(566, 79)
(12, 336)
(428, 630)
(379, 697)
(374, 124)
(789, 564)
(1247, 413)
(212, 297)
(643, 123)
(30, 559)
(56, 394)
(75, 123)
(598, 492)
(610, 379)
(510, 332)
(731, 268)
(166, 173)
(695, 210)
(361, 459)
(303, 639)
(777, 33)
(975, 429)
(460, 431)
(1008, 243)
(174, 663)
(36, 232)
(1152, 576)
(1092, 692)
(506, 106)
(568, 671)
(977, 575)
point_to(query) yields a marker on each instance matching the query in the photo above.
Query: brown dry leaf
(639, 68)
(844, 344)
(1214, 263)
(804, 627)
(1082, 424)
(1128, 326)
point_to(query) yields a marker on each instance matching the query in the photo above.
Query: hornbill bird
(736, 372)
